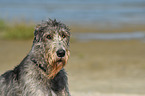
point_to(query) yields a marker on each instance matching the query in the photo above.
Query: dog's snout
(60, 53)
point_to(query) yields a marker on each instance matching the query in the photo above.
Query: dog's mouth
(60, 61)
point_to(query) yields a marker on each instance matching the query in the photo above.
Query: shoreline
(24, 30)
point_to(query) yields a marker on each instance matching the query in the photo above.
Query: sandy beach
(95, 68)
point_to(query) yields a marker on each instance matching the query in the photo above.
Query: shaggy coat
(41, 72)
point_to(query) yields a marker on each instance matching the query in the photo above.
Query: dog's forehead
(51, 27)
(55, 30)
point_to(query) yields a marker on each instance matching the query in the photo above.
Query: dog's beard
(55, 64)
(54, 67)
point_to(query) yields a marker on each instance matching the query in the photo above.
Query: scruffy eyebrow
(64, 32)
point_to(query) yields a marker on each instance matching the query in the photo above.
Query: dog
(41, 72)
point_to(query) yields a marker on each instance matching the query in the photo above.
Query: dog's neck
(37, 56)
(38, 65)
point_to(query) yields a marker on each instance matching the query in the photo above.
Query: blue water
(75, 11)
(110, 36)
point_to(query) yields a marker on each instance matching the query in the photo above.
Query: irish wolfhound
(41, 72)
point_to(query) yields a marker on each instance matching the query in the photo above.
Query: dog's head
(51, 40)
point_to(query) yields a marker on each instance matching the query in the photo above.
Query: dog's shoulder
(15, 73)
(11, 75)
(8, 75)
(9, 83)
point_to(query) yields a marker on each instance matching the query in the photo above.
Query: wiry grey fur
(41, 72)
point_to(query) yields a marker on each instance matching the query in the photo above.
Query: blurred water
(109, 36)
(75, 11)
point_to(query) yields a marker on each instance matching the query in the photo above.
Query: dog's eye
(48, 37)
(63, 35)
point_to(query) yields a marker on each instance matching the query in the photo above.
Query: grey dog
(41, 72)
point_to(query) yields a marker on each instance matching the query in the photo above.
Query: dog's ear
(37, 33)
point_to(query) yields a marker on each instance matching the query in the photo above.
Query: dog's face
(56, 41)
(54, 38)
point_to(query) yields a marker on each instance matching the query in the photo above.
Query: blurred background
(107, 42)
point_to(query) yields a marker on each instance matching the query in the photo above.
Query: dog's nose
(60, 53)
